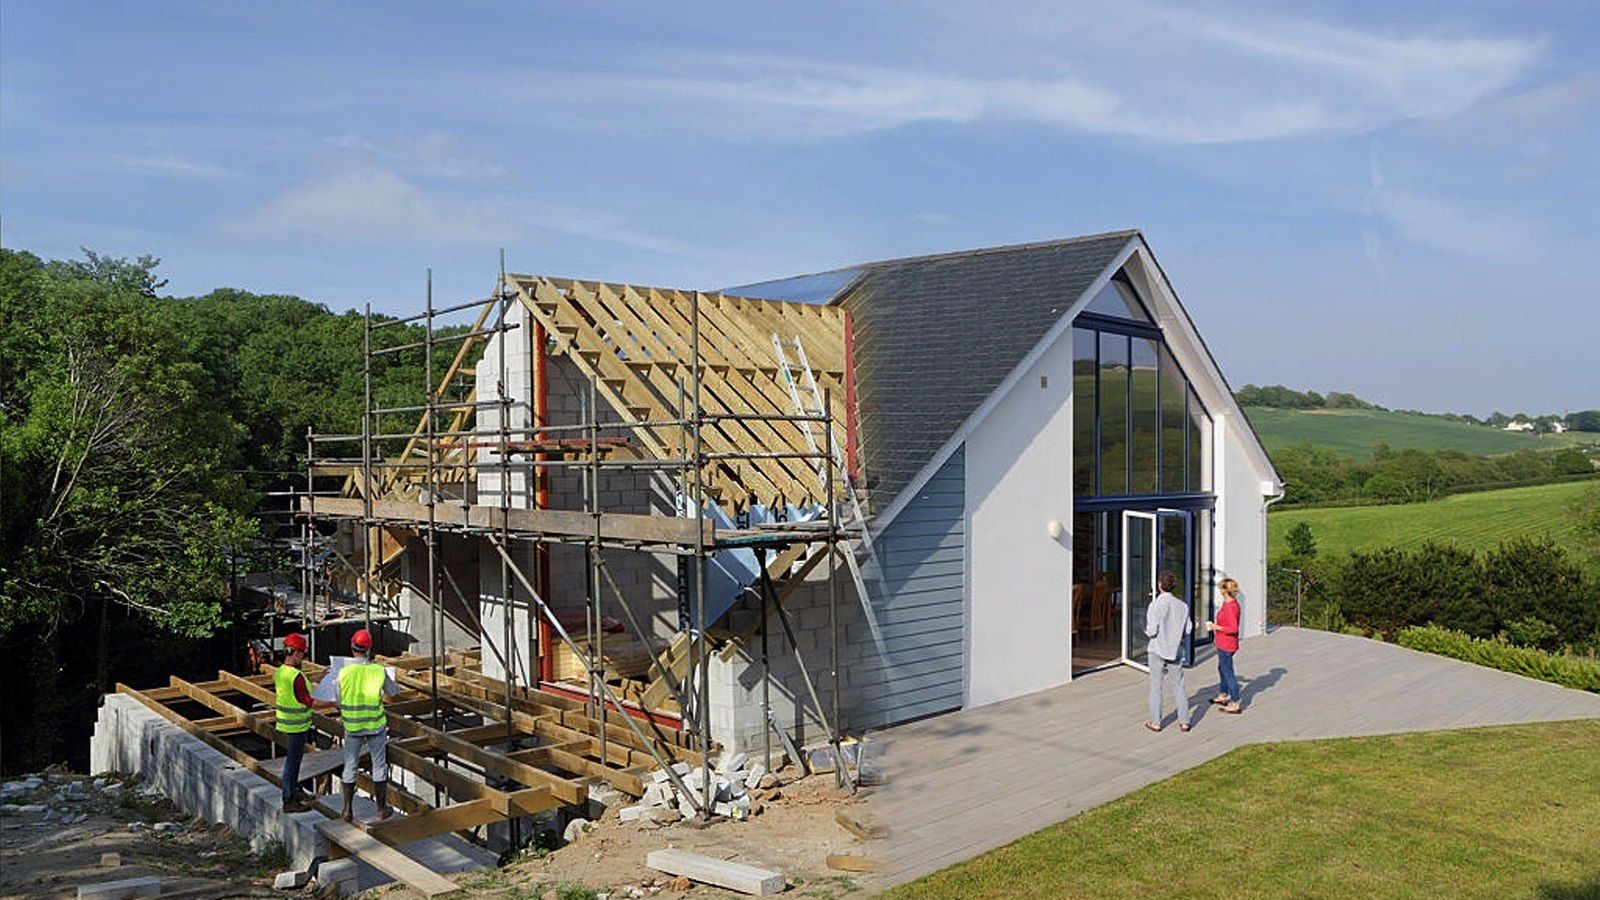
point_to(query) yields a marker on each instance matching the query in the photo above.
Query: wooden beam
(269, 731)
(386, 859)
(564, 523)
(455, 817)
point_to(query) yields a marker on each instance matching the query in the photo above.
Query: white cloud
(371, 203)
(435, 154)
(1128, 69)
(167, 164)
(1441, 224)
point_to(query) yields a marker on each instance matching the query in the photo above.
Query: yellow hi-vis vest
(361, 698)
(294, 717)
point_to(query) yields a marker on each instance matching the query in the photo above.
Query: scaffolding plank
(386, 859)
(565, 523)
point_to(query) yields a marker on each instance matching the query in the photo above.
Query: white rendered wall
(1019, 478)
(1241, 522)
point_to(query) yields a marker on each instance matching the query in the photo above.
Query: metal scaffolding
(434, 486)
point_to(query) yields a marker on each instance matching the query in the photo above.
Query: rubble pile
(738, 791)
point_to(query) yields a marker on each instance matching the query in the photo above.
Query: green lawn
(1475, 521)
(1355, 432)
(1494, 812)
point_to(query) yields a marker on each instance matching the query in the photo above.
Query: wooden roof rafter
(635, 342)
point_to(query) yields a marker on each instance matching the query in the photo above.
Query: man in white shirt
(1167, 623)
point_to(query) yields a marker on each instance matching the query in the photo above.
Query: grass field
(1494, 812)
(1355, 432)
(1474, 521)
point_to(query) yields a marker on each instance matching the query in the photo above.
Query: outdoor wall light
(1054, 529)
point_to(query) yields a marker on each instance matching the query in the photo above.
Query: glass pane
(1200, 599)
(1083, 398)
(1139, 588)
(1118, 301)
(1096, 629)
(1172, 538)
(1144, 477)
(1113, 414)
(1199, 445)
(1173, 417)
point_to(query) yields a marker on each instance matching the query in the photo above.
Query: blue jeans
(291, 763)
(1230, 681)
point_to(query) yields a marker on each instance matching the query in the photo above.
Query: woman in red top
(1226, 628)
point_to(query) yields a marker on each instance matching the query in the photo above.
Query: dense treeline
(1280, 397)
(1528, 592)
(1315, 475)
(127, 423)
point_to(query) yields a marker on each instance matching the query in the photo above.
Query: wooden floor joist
(477, 744)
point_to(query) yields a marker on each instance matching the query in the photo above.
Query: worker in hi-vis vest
(294, 705)
(362, 686)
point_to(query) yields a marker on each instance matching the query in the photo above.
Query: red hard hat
(361, 639)
(295, 642)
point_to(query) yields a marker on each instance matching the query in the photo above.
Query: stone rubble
(733, 779)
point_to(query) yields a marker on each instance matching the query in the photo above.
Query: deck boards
(968, 782)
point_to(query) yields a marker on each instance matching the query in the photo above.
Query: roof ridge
(959, 254)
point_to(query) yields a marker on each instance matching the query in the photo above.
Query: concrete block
(110, 860)
(732, 762)
(633, 813)
(119, 890)
(734, 876)
(660, 776)
(339, 876)
(290, 881)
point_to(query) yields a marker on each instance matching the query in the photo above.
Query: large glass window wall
(1138, 427)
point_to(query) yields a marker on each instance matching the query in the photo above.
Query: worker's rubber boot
(349, 802)
(381, 794)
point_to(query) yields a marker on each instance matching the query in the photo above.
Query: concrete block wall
(129, 739)
(736, 674)
(648, 582)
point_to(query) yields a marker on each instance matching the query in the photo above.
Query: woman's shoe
(1184, 728)
(1233, 708)
(1152, 726)
(1220, 699)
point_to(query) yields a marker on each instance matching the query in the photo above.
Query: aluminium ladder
(801, 381)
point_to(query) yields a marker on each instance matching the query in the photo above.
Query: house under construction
(620, 525)
(809, 507)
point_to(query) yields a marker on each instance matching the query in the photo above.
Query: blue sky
(1395, 199)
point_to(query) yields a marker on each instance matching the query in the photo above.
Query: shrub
(1389, 589)
(1529, 632)
(1568, 671)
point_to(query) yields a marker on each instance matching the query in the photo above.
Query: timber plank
(386, 859)
(613, 526)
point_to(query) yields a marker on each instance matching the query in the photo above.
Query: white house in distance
(1038, 431)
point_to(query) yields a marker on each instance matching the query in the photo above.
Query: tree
(1584, 420)
(1302, 544)
(118, 274)
(116, 472)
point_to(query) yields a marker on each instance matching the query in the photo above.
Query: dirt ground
(50, 853)
(794, 834)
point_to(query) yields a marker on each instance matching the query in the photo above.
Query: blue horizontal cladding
(920, 604)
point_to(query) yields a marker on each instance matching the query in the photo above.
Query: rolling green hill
(1473, 521)
(1356, 431)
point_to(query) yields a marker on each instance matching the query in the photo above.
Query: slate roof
(935, 336)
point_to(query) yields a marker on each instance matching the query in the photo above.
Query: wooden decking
(967, 782)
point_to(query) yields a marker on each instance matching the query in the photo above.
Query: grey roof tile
(935, 336)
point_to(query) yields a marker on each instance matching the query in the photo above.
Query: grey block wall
(129, 739)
